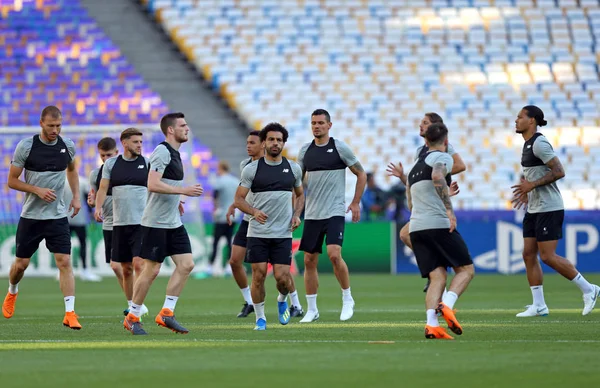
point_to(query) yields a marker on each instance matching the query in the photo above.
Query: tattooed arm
(556, 172)
(438, 176)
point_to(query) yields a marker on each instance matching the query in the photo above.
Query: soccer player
(435, 240)
(272, 179)
(542, 224)
(163, 233)
(107, 148)
(126, 176)
(324, 162)
(46, 159)
(398, 170)
(238, 252)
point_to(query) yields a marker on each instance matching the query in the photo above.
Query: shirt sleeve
(418, 152)
(93, 177)
(22, 152)
(451, 150)
(160, 159)
(440, 157)
(70, 147)
(346, 153)
(297, 170)
(543, 149)
(147, 162)
(301, 153)
(108, 166)
(248, 174)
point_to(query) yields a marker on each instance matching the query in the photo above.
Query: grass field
(496, 350)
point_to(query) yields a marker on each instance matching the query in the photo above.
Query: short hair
(274, 127)
(323, 112)
(223, 165)
(254, 133)
(51, 111)
(169, 120)
(434, 117)
(436, 133)
(107, 144)
(533, 112)
(129, 132)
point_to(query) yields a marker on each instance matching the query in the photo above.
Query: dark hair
(169, 120)
(107, 144)
(273, 127)
(320, 112)
(533, 112)
(436, 133)
(254, 133)
(434, 117)
(126, 134)
(51, 111)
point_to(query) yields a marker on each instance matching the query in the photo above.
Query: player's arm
(298, 206)
(438, 177)
(101, 197)
(556, 172)
(408, 198)
(361, 182)
(15, 183)
(241, 203)
(458, 166)
(91, 199)
(73, 179)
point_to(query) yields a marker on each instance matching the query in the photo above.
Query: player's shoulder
(245, 162)
(95, 171)
(438, 157)
(68, 142)
(294, 164)
(25, 143)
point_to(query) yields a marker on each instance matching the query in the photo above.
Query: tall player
(324, 161)
(272, 179)
(398, 170)
(436, 243)
(126, 176)
(46, 159)
(163, 233)
(255, 151)
(107, 148)
(542, 224)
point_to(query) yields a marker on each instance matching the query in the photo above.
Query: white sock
(538, 295)
(170, 302)
(347, 295)
(129, 302)
(69, 303)
(13, 288)
(246, 294)
(449, 299)
(583, 284)
(295, 300)
(259, 311)
(432, 318)
(281, 297)
(444, 293)
(312, 302)
(135, 309)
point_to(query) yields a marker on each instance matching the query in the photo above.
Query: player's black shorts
(240, 238)
(30, 234)
(435, 248)
(107, 244)
(158, 243)
(126, 243)
(314, 233)
(269, 250)
(545, 226)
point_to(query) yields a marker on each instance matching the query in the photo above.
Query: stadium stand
(378, 66)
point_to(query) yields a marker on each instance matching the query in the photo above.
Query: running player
(107, 148)
(126, 176)
(436, 242)
(398, 170)
(163, 233)
(324, 161)
(238, 252)
(272, 179)
(542, 224)
(45, 158)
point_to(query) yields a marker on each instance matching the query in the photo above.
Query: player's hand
(230, 215)
(47, 195)
(193, 191)
(520, 201)
(98, 214)
(295, 222)
(452, 218)
(355, 209)
(181, 209)
(395, 170)
(75, 205)
(522, 188)
(260, 216)
(454, 189)
(91, 199)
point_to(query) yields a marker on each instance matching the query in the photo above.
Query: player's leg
(335, 239)
(296, 306)
(311, 244)
(236, 262)
(258, 253)
(280, 255)
(535, 276)
(405, 235)
(116, 267)
(432, 297)
(219, 233)
(122, 254)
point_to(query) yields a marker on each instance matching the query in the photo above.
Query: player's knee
(186, 266)
(311, 261)
(529, 255)
(335, 256)
(547, 256)
(127, 269)
(116, 267)
(258, 276)
(63, 262)
(22, 264)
